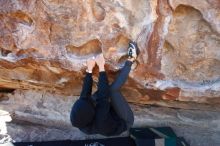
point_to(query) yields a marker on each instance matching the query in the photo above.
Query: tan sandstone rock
(44, 45)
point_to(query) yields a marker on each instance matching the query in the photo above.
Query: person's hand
(100, 60)
(90, 64)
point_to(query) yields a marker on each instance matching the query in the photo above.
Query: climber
(105, 112)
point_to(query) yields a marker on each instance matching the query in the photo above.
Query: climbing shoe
(133, 50)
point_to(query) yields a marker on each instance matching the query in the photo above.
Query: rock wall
(44, 45)
(45, 117)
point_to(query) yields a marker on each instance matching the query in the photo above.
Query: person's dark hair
(82, 113)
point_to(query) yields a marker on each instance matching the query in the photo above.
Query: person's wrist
(89, 70)
(101, 68)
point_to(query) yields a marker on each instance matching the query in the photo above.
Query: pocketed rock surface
(44, 45)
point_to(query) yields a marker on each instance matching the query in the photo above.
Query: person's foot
(133, 50)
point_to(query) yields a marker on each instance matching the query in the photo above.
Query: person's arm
(102, 100)
(103, 86)
(103, 104)
(87, 86)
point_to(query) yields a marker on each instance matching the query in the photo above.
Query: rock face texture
(45, 116)
(44, 45)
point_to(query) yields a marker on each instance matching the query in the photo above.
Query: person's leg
(122, 77)
(103, 85)
(87, 83)
(133, 51)
(122, 107)
(118, 101)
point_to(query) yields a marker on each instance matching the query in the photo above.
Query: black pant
(118, 101)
